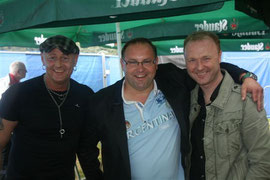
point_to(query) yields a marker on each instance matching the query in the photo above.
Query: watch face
(255, 77)
(252, 75)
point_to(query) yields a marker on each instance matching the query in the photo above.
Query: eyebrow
(147, 59)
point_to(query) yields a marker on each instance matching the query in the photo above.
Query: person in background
(17, 71)
(230, 139)
(142, 120)
(47, 116)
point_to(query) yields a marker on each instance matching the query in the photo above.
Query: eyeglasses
(145, 63)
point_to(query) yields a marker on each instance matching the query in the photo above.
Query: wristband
(249, 75)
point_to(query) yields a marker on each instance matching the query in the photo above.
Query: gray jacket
(236, 135)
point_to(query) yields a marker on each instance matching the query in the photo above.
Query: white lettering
(224, 25)
(130, 134)
(40, 39)
(176, 49)
(250, 33)
(138, 131)
(156, 122)
(150, 125)
(109, 37)
(164, 118)
(252, 47)
(127, 3)
(220, 26)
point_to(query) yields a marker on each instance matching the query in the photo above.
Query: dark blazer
(107, 122)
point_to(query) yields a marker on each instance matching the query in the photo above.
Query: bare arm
(6, 128)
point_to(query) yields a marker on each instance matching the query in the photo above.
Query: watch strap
(249, 75)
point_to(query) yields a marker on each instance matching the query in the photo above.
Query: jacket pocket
(227, 136)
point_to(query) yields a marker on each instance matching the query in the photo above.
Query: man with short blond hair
(230, 139)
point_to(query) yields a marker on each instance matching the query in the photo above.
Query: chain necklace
(61, 97)
(64, 96)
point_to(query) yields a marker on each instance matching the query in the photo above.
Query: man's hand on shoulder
(250, 85)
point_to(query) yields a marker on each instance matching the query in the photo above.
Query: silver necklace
(61, 97)
(61, 130)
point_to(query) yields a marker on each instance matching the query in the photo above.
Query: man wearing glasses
(142, 120)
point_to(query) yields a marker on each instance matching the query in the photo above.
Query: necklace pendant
(62, 132)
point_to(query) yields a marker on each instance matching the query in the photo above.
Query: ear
(43, 59)
(123, 65)
(219, 56)
(75, 59)
(157, 60)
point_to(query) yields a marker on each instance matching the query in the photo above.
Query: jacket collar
(118, 92)
(119, 123)
(128, 102)
(222, 95)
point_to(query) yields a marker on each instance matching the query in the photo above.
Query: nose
(58, 62)
(199, 65)
(140, 66)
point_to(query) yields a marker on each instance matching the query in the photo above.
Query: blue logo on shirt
(160, 99)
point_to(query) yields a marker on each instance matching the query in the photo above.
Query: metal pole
(119, 47)
(104, 70)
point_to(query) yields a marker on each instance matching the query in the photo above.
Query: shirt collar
(155, 90)
(213, 96)
(13, 80)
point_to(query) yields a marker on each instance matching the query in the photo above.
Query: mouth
(140, 76)
(201, 74)
(58, 70)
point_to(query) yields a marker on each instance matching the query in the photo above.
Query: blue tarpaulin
(257, 62)
(90, 68)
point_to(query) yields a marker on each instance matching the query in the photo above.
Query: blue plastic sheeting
(113, 65)
(6, 59)
(90, 71)
(89, 68)
(257, 62)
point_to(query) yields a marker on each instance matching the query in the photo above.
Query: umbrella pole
(119, 47)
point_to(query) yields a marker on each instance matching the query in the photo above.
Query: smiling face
(203, 62)
(139, 77)
(59, 68)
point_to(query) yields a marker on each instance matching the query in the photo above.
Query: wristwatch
(249, 75)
